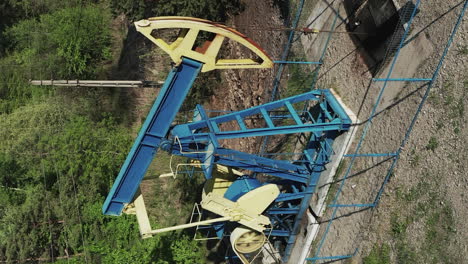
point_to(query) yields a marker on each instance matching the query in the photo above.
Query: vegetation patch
(380, 254)
(433, 144)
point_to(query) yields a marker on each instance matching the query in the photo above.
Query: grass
(428, 208)
(454, 108)
(380, 254)
(169, 201)
(334, 186)
(463, 50)
(433, 144)
(415, 159)
(440, 124)
(398, 227)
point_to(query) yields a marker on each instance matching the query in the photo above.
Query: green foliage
(433, 144)
(10, 171)
(202, 89)
(186, 251)
(62, 163)
(56, 45)
(60, 149)
(398, 227)
(378, 255)
(299, 81)
(463, 50)
(415, 159)
(207, 9)
(57, 166)
(62, 40)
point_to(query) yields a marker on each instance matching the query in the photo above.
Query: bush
(378, 255)
(69, 43)
(207, 9)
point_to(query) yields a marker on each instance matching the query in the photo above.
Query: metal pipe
(206, 222)
(96, 83)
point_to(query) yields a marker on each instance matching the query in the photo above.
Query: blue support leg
(151, 135)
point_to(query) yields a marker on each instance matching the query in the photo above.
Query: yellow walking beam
(208, 53)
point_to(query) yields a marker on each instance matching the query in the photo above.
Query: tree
(68, 43)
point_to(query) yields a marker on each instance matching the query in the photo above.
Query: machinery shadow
(359, 172)
(395, 103)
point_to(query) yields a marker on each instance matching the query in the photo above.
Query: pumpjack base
(310, 225)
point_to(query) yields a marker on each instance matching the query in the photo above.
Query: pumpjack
(253, 211)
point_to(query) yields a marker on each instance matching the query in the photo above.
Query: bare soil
(420, 216)
(242, 89)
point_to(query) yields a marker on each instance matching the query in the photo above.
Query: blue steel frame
(199, 140)
(152, 134)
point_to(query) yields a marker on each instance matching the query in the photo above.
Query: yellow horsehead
(209, 51)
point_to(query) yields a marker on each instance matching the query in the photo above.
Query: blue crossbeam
(283, 211)
(277, 233)
(283, 197)
(241, 160)
(337, 119)
(336, 124)
(154, 130)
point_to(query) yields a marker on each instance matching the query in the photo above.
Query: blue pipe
(366, 128)
(426, 94)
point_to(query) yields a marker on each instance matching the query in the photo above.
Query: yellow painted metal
(247, 211)
(208, 52)
(222, 178)
(246, 241)
(138, 207)
(178, 227)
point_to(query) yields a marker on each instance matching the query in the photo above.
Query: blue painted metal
(245, 161)
(153, 132)
(283, 197)
(241, 186)
(333, 258)
(366, 128)
(330, 257)
(278, 233)
(301, 177)
(318, 153)
(283, 211)
(401, 80)
(284, 57)
(337, 119)
(424, 99)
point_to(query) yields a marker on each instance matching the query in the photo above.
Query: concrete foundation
(310, 226)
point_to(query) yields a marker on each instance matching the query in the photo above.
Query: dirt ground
(242, 89)
(420, 218)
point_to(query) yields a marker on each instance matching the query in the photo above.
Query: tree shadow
(129, 67)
